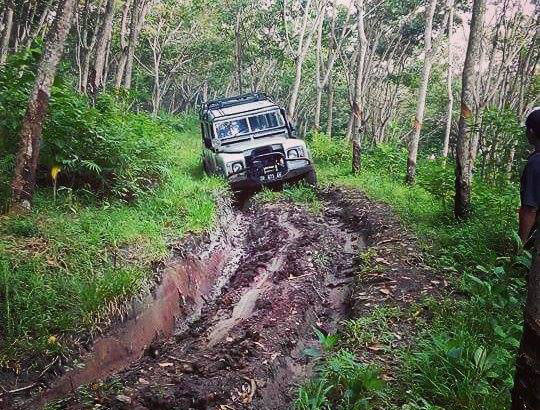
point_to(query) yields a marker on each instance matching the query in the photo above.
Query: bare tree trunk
(466, 118)
(4, 44)
(422, 92)
(304, 43)
(238, 45)
(357, 101)
(121, 66)
(103, 38)
(330, 107)
(140, 8)
(24, 177)
(450, 105)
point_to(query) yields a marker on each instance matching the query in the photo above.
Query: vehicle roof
(232, 106)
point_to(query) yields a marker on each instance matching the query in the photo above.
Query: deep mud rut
(244, 349)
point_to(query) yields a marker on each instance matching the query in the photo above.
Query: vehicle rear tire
(311, 178)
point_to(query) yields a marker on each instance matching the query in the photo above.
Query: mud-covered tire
(311, 178)
(205, 167)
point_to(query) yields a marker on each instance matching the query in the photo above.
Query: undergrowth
(463, 357)
(74, 261)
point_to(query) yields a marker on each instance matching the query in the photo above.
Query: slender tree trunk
(238, 44)
(357, 101)
(121, 65)
(301, 53)
(318, 104)
(296, 88)
(450, 105)
(466, 118)
(4, 44)
(330, 107)
(103, 38)
(422, 92)
(140, 8)
(24, 177)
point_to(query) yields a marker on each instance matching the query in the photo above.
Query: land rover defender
(249, 140)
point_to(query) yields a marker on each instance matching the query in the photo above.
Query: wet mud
(235, 322)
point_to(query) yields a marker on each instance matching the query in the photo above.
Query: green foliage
(103, 148)
(70, 265)
(464, 357)
(342, 382)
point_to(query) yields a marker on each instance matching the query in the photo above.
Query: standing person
(526, 392)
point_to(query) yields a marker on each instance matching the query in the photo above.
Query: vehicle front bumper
(240, 181)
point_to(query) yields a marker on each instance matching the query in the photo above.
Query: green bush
(102, 148)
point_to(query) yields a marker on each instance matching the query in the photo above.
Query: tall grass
(70, 264)
(463, 357)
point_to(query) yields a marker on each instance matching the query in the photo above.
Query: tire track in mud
(245, 348)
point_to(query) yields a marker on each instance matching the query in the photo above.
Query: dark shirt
(530, 182)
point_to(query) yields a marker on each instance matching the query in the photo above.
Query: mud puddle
(247, 313)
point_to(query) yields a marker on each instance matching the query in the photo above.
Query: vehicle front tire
(311, 178)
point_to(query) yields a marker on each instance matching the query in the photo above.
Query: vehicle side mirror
(207, 143)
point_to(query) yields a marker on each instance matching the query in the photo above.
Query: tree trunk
(24, 177)
(121, 65)
(138, 14)
(330, 107)
(4, 44)
(304, 43)
(296, 88)
(357, 101)
(450, 105)
(422, 92)
(238, 46)
(466, 118)
(103, 38)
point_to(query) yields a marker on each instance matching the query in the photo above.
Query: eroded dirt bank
(295, 270)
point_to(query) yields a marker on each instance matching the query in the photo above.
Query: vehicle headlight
(295, 152)
(234, 167)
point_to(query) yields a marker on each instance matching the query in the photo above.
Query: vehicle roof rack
(232, 101)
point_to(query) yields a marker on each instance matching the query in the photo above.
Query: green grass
(72, 263)
(463, 356)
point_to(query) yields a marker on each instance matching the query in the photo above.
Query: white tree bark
(450, 106)
(356, 116)
(6, 35)
(422, 92)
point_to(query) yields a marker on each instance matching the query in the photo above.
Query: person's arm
(527, 219)
(530, 199)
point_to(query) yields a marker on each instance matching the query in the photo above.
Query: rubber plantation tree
(6, 33)
(26, 162)
(357, 100)
(422, 92)
(464, 157)
(450, 105)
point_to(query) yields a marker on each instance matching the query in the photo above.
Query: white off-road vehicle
(249, 140)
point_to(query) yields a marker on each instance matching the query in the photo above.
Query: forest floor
(298, 269)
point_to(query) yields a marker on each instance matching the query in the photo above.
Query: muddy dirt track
(294, 270)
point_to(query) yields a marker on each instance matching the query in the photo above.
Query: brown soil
(245, 348)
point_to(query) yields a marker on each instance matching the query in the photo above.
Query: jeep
(249, 140)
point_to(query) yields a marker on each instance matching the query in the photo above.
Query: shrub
(102, 148)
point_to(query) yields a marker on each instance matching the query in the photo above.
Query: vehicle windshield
(254, 123)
